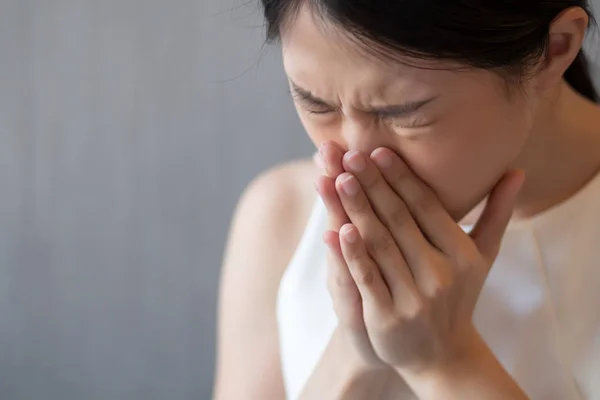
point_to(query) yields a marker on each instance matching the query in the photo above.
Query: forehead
(318, 55)
(312, 46)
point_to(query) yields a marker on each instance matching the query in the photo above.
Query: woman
(426, 113)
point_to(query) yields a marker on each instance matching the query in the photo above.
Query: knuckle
(354, 257)
(401, 174)
(400, 216)
(468, 258)
(359, 207)
(338, 279)
(364, 275)
(338, 285)
(343, 282)
(437, 277)
(425, 202)
(439, 288)
(413, 309)
(382, 243)
(389, 324)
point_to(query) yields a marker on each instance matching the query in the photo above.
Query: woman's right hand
(346, 297)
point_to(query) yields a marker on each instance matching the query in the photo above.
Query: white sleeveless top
(539, 310)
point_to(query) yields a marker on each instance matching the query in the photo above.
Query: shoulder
(291, 180)
(277, 204)
(268, 223)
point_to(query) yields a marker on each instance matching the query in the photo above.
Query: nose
(362, 132)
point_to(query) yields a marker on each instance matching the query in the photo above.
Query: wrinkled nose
(362, 132)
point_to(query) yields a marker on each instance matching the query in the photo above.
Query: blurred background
(128, 130)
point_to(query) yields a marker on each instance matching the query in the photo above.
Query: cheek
(464, 158)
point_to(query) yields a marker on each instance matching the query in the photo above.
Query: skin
(456, 149)
(470, 135)
(410, 276)
(404, 301)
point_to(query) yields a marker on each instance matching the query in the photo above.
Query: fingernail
(382, 158)
(350, 186)
(350, 235)
(355, 161)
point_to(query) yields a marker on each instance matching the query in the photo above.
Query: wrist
(470, 350)
(472, 373)
(467, 351)
(343, 374)
(467, 359)
(352, 358)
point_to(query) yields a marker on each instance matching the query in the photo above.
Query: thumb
(490, 227)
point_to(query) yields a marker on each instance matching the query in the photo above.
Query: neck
(561, 156)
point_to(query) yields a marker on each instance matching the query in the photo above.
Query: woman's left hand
(419, 274)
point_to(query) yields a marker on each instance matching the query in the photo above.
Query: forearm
(340, 375)
(477, 376)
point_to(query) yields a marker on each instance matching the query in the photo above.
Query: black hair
(502, 35)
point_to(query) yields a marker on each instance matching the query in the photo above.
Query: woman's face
(458, 130)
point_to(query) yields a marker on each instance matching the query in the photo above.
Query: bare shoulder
(280, 199)
(276, 205)
(266, 228)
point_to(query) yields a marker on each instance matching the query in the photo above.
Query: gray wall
(128, 129)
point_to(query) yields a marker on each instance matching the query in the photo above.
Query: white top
(539, 310)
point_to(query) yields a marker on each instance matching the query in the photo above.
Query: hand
(346, 298)
(419, 275)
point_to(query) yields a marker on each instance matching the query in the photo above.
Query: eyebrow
(396, 109)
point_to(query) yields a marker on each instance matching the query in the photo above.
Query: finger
(425, 261)
(337, 215)
(346, 298)
(319, 161)
(487, 233)
(388, 207)
(374, 292)
(344, 292)
(435, 222)
(379, 243)
(332, 154)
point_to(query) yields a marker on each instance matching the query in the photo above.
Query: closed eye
(404, 122)
(314, 107)
(311, 104)
(392, 113)
(405, 116)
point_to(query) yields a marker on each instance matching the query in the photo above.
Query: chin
(468, 210)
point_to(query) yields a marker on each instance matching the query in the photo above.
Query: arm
(341, 375)
(477, 375)
(266, 227)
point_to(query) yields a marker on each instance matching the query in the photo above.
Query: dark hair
(503, 35)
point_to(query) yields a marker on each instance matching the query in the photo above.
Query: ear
(566, 35)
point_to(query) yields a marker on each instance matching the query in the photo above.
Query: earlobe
(565, 40)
